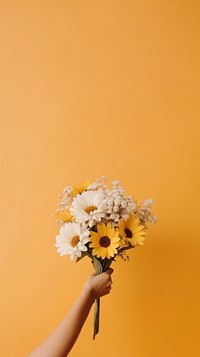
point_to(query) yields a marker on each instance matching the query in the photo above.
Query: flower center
(89, 209)
(104, 241)
(128, 233)
(75, 241)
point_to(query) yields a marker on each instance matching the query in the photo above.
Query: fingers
(109, 280)
(109, 271)
(106, 290)
(100, 285)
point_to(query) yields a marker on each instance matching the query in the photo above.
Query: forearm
(62, 339)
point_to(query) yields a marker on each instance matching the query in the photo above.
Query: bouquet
(100, 223)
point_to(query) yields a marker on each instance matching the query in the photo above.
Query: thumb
(109, 271)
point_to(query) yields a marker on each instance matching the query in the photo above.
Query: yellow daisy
(105, 241)
(64, 215)
(80, 188)
(132, 230)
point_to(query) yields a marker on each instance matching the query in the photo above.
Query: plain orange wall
(91, 88)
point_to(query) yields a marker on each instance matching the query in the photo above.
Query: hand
(99, 285)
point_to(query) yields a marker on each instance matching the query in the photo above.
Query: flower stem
(96, 317)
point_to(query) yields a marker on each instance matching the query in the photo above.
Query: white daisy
(89, 207)
(72, 239)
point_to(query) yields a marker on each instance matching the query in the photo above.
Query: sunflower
(132, 230)
(105, 241)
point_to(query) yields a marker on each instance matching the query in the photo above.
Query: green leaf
(83, 255)
(97, 266)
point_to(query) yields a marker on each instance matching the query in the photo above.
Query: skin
(60, 342)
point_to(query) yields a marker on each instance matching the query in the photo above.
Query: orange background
(91, 88)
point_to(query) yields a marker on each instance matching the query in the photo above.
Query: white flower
(68, 189)
(116, 208)
(116, 183)
(72, 239)
(153, 219)
(98, 184)
(89, 207)
(126, 216)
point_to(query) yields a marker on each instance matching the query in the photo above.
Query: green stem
(96, 317)
(99, 267)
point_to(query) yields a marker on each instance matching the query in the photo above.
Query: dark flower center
(104, 241)
(128, 233)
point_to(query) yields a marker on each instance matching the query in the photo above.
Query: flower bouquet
(101, 223)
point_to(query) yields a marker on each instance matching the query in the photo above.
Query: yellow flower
(64, 215)
(132, 230)
(105, 241)
(124, 242)
(80, 188)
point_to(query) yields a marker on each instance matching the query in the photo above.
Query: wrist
(88, 294)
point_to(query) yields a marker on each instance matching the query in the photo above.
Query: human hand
(99, 285)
